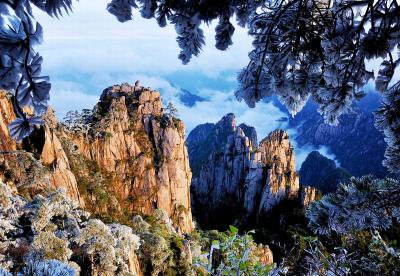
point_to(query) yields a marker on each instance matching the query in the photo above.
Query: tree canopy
(301, 49)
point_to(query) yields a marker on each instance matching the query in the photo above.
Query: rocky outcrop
(277, 156)
(125, 157)
(130, 138)
(307, 195)
(250, 132)
(207, 138)
(322, 173)
(21, 166)
(7, 115)
(219, 186)
(264, 253)
(240, 181)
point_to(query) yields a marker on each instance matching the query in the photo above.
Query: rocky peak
(272, 175)
(124, 157)
(238, 180)
(322, 173)
(141, 151)
(250, 132)
(227, 122)
(307, 195)
(34, 170)
(209, 138)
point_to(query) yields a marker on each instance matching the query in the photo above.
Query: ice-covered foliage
(48, 267)
(48, 233)
(98, 243)
(20, 64)
(161, 248)
(126, 243)
(301, 48)
(319, 262)
(387, 119)
(376, 258)
(361, 204)
(78, 121)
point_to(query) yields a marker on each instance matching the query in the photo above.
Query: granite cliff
(239, 181)
(126, 156)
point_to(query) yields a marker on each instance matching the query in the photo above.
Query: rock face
(321, 172)
(130, 138)
(29, 171)
(307, 195)
(125, 157)
(356, 143)
(240, 180)
(250, 132)
(208, 138)
(7, 115)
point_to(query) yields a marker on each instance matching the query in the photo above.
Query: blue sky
(90, 50)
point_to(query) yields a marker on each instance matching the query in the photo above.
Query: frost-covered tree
(43, 236)
(377, 258)
(20, 64)
(98, 244)
(301, 49)
(48, 268)
(78, 121)
(361, 204)
(171, 110)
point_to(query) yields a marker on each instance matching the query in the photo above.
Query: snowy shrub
(48, 246)
(48, 268)
(126, 244)
(99, 245)
(361, 204)
(49, 234)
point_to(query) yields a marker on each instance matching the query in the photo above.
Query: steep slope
(29, 169)
(356, 143)
(238, 180)
(6, 115)
(250, 132)
(321, 172)
(207, 138)
(125, 157)
(141, 150)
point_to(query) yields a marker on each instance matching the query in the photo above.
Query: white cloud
(264, 117)
(65, 100)
(91, 40)
(302, 152)
(90, 50)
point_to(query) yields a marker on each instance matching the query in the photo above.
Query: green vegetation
(232, 254)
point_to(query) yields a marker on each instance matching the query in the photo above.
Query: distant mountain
(356, 143)
(189, 99)
(321, 172)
